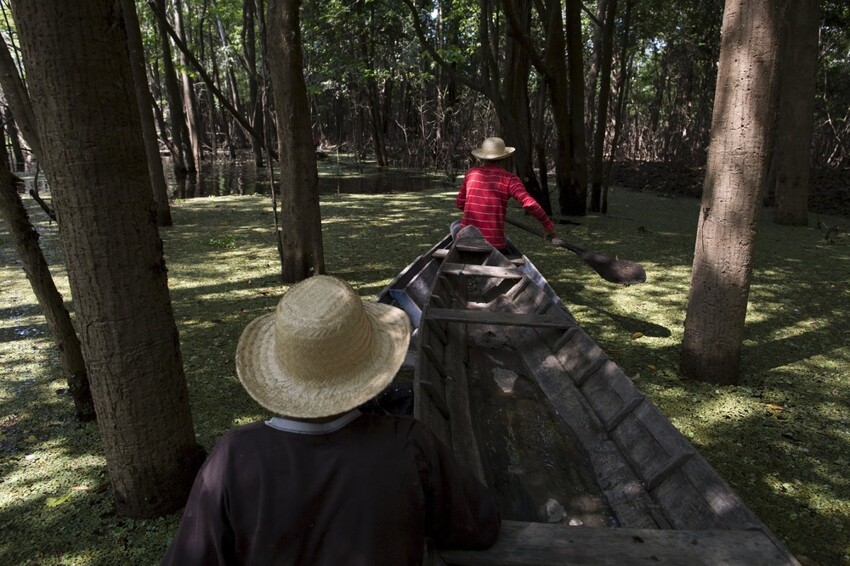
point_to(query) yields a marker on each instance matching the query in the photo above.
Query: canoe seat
(481, 270)
(499, 318)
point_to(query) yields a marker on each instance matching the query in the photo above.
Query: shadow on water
(243, 177)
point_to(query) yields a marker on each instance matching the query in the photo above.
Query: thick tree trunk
(302, 252)
(796, 107)
(143, 94)
(742, 127)
(77, 65)
(25, 238)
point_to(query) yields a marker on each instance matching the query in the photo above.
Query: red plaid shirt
(483, 197)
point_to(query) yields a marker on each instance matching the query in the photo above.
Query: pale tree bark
(735, 179)
(143, 94)
(796, 108)
(190, 105)
(25, 239)
(77, 65)
(302, 254)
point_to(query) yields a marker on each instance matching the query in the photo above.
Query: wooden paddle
(620, 271)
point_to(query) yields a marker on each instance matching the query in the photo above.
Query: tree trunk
(18, 99)
(515, 116)
(249, 48)
(25, 238)
(796, 108)
(181, 159)
(12, 131)
(101, 192)
(602, 111)
(145, 100)
(577, 204)
(742, 127)
(302, 252)
(619, 107)
(190, 104)
(236, 133)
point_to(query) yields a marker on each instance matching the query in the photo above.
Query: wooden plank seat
(499, 318)
(481, 270)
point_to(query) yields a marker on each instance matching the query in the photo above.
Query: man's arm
(204, 536)
(518, 192)
(460, 202)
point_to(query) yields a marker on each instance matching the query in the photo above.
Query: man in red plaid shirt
(485, 191)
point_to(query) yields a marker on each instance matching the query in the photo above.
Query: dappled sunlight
(780, 437)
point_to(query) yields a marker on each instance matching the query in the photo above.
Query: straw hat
(323, 351)
(493, 149)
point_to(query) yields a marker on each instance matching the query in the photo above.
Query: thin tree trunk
(235, 130)
(620, 90)
(25, 238)
(14, 139)
(741, 132)
(181, 159)
(143, 94)
(18, 99)
(602, 112)
(303, 254)
(249, 49)
(578, 140)
(190, 105)
(101, 191)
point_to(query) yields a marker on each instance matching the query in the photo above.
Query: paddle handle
(539, 233)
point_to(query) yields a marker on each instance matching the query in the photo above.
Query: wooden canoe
(585, 469)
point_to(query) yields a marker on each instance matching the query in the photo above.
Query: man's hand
(549, 236)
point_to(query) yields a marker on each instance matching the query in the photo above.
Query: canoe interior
(506, 377)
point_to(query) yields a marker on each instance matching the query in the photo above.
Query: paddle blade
(621, 271)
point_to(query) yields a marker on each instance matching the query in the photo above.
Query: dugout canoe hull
(585, 469)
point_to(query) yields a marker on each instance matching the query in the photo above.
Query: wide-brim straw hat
(323, 351)
(493, 149)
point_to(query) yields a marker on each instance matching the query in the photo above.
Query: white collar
(303, 427)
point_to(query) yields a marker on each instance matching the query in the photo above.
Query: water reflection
(243, 177)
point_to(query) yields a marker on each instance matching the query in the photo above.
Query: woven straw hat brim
(267, 383)
(481, 154)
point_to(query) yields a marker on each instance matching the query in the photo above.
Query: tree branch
(207, 80)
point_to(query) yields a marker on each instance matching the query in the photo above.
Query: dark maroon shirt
(366, 493)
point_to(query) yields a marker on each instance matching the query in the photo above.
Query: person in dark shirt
(321, 482)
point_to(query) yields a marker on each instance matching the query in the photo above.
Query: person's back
(349, 488)
(486, 189)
